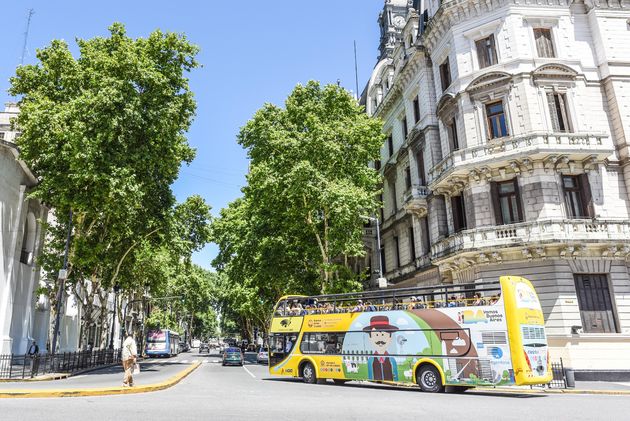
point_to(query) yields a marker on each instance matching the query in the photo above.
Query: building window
(1, 135)
(445, 74)
(420, 162)
(407, 178)
(404, 127)
(577, 196)
(426, 238)
(453, 141)
(377, 164)
(416, 109)
(595, 304)
(412, 244)
(558, 111)
(495, 115)
(507, 203)
(544, 45)
(397, 251)
(392, 187)
(486, 52)
(459, 213)
(390, 145)
(383, 261)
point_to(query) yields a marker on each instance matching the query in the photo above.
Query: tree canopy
(308, 191)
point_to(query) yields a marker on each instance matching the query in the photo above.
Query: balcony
(415, 200)
(570, 237)
(519, 153)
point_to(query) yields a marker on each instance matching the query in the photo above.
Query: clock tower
(391, 20)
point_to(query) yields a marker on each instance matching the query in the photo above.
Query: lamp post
(111, 338)
(382, 282)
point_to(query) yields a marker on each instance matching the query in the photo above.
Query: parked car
(184, 347)
(203, 347)
(232, 356)
(263, 355)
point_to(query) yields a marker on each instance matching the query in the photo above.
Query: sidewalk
(581, 387)
(154, 375)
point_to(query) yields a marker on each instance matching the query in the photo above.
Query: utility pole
(31, 12)
(356, 71)
(63, 274)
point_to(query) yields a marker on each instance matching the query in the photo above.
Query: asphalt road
(214, 392)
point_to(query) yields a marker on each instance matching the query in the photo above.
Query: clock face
(399, 21)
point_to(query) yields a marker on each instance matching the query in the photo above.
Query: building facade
(23, 318)
(507, 153)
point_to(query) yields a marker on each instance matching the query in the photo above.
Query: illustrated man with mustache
(380, 366)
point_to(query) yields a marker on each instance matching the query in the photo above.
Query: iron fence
(559, 380)
(14, 366)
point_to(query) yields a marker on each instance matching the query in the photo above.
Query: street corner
(99, 391)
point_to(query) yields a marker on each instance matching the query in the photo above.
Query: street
(248, 392)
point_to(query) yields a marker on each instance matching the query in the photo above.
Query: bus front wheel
(429, 379)
(308, 373)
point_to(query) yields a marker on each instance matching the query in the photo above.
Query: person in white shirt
(129, 355)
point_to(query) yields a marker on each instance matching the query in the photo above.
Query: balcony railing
(529, 146)
(538, 232)
(415, 199)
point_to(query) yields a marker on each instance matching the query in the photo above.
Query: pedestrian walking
(129, 356)
(33, 353)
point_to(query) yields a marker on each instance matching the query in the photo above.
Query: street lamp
(382, 281)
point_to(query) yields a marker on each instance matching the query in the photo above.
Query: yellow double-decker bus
(465, 335)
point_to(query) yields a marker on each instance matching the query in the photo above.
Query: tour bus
(464, 335)
(162, 343)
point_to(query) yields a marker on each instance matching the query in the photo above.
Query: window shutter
(493, 49)
(494, 196)
(562, 101)
(587, 196)
(553, 111)
(519, 206)
(481, 57)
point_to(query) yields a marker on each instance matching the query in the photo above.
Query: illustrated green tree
(309, 184)
(105, 134)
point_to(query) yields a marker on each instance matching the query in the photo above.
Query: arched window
(28, 239)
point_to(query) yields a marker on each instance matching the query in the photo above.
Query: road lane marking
(249, 372)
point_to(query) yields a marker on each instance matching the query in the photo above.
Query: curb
(101, 391)
(57, 376)
(611, 392)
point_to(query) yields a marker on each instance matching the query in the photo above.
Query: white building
(22, 318)
(507, 153)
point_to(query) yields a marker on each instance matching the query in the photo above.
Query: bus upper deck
(438, 296)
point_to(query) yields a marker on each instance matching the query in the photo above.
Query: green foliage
(301, 216)
(161, 319)
(105, 134)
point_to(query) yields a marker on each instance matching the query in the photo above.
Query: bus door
(280, 346)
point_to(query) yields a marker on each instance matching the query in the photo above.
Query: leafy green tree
(105, 133)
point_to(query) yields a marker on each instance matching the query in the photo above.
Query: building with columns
(508, 126)
(23, 318)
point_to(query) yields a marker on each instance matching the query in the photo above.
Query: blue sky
(252, 52)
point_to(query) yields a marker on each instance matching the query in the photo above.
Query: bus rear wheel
(429, 379)
(308, 374)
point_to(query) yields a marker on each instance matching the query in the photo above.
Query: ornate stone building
(508, 129)
(22, 317)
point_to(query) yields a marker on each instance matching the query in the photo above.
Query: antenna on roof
(356, 70)
(31, 12)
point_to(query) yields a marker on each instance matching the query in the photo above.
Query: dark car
(204, 347)
(184, 347)
(232, 356)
